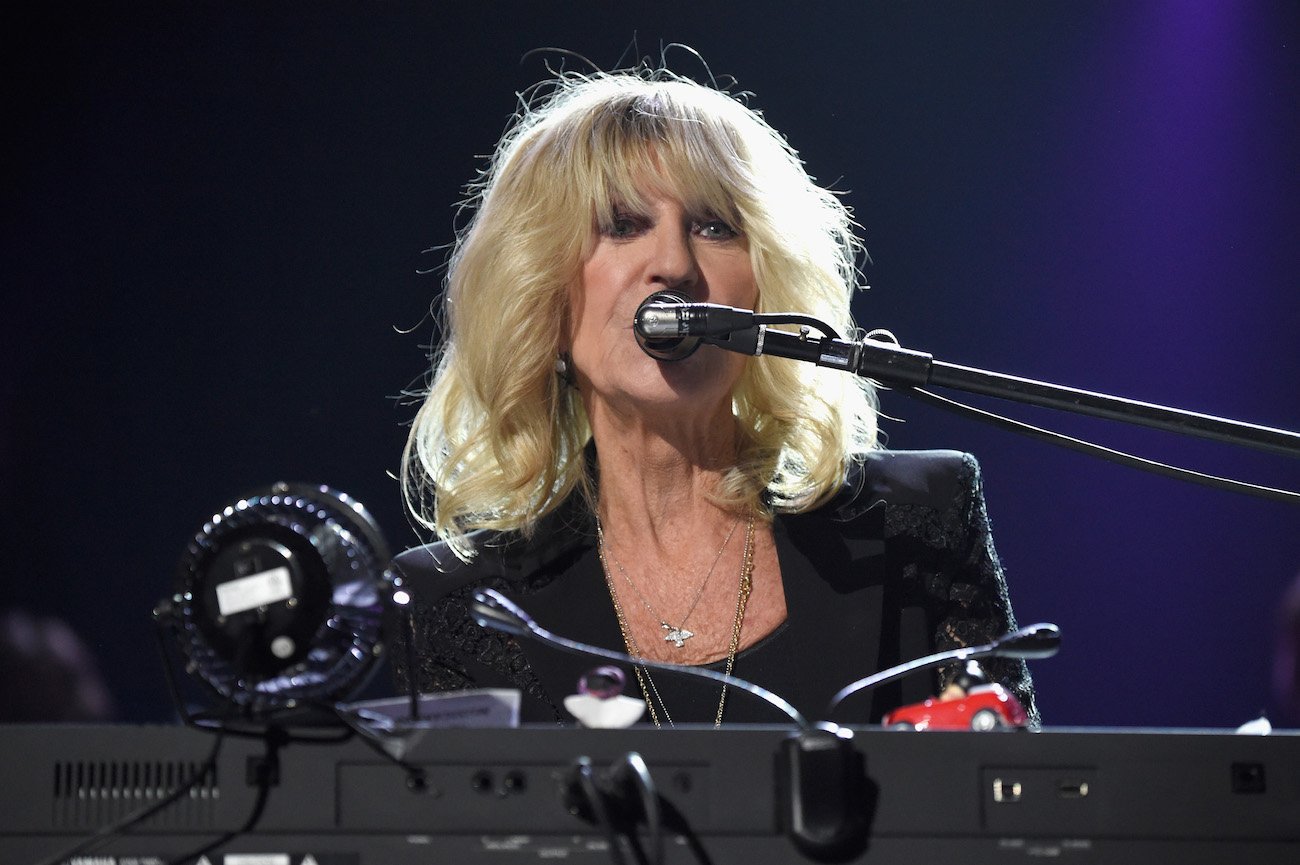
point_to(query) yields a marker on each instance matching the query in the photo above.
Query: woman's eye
(623, 225)
(715, 229)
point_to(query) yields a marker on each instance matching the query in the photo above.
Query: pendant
(676, 636)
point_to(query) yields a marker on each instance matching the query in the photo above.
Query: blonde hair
(498, 442)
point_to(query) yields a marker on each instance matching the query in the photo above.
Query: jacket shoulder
(929, 478)
(434, 571)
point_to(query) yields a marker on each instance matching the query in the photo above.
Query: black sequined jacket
(899, 565)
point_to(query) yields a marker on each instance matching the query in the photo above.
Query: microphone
(663, 319)
(1033, 642)
(670, 326)
(662, 346)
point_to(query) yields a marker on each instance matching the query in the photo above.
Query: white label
(255, 858)
(255, 590)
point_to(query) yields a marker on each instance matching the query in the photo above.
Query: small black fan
(279, 602)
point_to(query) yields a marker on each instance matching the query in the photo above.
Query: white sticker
(255, 590)
(255, 858)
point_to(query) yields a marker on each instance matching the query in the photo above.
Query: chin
(698, 377)
(700, 382)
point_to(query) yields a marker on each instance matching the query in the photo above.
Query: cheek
(599, 289)
(582, 297)
(589, 310)
(734, 278)
(572, 318)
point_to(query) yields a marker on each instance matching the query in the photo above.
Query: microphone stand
(891, 364)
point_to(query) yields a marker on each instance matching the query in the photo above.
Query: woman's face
(657, 247)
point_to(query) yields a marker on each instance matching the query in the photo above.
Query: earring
(563, 369)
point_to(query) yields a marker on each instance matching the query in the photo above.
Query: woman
(719, 509)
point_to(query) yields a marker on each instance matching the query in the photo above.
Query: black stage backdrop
(213, 230)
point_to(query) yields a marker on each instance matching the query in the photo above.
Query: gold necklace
(677, 635)
(643, 677)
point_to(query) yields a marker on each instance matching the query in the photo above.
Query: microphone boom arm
(891, 364)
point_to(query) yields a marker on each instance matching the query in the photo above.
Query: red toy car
(985, 707)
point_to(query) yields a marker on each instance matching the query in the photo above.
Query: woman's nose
(672, 258)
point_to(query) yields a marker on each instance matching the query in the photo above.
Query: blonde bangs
(627, 143)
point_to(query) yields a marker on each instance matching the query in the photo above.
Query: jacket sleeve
(975, 606)
(954, 567)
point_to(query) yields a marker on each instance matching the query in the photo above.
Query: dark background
(212, 251)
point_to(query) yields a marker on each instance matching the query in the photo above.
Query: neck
(658, 479)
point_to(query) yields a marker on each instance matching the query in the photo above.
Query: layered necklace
(678, 635)
(675, 634)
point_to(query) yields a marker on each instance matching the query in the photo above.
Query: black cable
(267, 776)
(1109, 454)
(677, 822)
(638, 774)
(596, 799)
(121, 827)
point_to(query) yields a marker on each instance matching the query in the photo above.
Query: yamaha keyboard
(505, 797)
